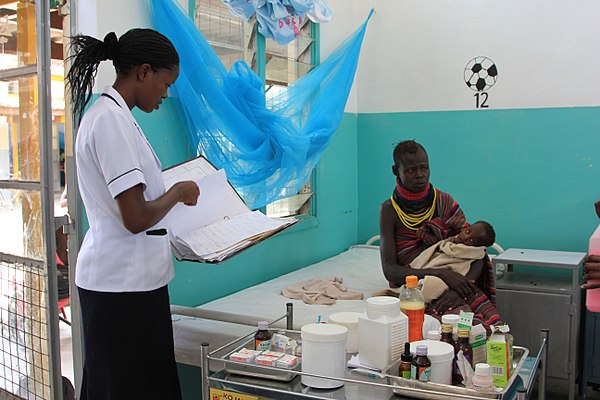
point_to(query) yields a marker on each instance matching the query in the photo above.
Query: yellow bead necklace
(412, 221)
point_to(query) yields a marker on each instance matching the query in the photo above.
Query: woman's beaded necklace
(419, 207)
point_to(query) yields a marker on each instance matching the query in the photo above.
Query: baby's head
(480, 233)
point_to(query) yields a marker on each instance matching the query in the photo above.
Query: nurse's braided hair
(135, 47)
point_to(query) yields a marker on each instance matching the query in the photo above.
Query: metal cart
(221, 384)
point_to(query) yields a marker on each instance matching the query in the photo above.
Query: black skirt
(128, 344)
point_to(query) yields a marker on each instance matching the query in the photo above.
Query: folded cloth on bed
(321, 290)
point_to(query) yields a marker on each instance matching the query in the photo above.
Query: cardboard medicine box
(499, 357)
(478, 341)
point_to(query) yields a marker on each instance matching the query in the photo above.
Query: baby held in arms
(455, 253)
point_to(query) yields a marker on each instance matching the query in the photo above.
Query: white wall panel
(415, 52)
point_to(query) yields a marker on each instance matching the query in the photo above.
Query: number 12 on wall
(481, 99)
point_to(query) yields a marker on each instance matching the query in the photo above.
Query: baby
(455, 253)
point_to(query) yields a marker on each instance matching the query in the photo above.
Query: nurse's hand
(591, 272)
(188, 192)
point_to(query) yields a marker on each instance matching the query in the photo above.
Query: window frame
(260, 67)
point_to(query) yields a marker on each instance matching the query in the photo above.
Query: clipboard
(221, 225)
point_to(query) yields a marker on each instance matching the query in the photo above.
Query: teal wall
(533, 173)
(331, 231)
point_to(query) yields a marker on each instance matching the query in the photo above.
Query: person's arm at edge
(138, 214)
(591, 268)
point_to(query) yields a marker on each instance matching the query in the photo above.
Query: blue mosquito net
(268, 153)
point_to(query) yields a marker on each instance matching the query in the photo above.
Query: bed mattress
(359, 267)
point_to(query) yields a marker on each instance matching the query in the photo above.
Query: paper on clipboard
(226, 233)
(220, 225)
(217, 201)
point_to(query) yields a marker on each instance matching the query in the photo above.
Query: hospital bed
(232, 315)
(235, 315)
(200, 330)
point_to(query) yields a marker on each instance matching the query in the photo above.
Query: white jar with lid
(348, 319)
(434, 335)
(323, 353)
(441, 355)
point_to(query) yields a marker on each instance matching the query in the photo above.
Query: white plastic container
(483, 380)
(382, 332)
(433, 335)
(349, 320)
(323, 353)
(441, 355)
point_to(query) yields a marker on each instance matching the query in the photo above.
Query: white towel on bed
(321, 290)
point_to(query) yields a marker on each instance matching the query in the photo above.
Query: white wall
(344, 22)
(415, 52)
(98, 17)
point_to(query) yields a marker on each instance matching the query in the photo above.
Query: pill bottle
(262, 337)
(483, 380)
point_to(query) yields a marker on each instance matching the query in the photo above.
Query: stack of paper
(220, 225)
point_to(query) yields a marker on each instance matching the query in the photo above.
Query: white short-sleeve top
(113, 155)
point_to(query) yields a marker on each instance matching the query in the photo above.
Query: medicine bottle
(464, 345)
(483, 380)
(406, 359)
(452, 319)
(262, 338)
(421, 365)
(447, 330)
(412, 304)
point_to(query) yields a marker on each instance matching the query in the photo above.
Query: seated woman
(418, 216)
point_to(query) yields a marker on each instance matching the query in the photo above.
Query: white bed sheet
(359, 267)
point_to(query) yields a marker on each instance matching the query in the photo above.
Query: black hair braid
(89, 52)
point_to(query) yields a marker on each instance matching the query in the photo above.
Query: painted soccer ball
(481, 74)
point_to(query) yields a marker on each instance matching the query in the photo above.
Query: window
(234, 39)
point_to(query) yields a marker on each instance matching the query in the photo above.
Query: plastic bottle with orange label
(412, 304)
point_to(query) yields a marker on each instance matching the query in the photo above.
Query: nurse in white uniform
(125, 263)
